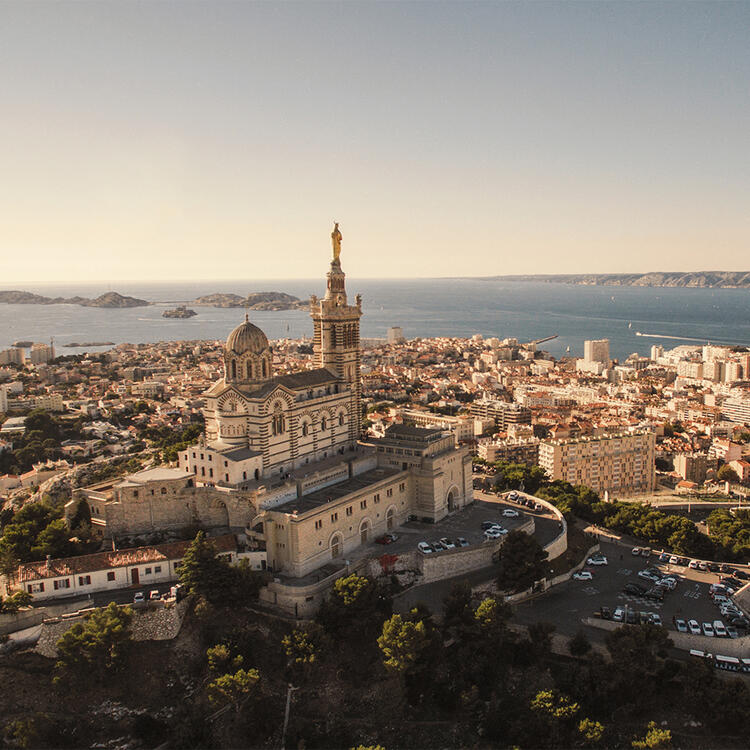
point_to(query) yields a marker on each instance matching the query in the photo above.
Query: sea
(632, 318)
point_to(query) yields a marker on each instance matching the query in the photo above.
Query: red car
(386, 539)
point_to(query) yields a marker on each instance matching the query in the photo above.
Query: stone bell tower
(336, 334)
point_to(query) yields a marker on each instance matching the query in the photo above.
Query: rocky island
(253, 301)
(179, 312)
(112, 300)
(695, 279)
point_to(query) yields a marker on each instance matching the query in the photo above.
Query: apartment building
(621, 464)
(502, 412)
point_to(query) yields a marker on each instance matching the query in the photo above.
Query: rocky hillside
(707, 279)
(108, 300)
(253, 301)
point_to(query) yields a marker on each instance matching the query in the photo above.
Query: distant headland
(696, 279)
(112, 300)
(253, 301)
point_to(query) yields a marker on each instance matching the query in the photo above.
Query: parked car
(447, 543)
(386, 539)
(492, 533)
(724, 568)
(582, 575)
(655, 618)
(488, 525)
(693, 564)
(139, 597)
(154, 595)
(732, 632)
(437, 546)
(649, 576)
(693, 627)
(681, 625)
(462, 542)
(425, 548)
(513, 495)
(674, 560)
(664, 557)
(635, 551)
(708, 629)
(741, 575)
(605, 613)
(619, 614)
(645, 551)
(720, 629)
(510, 513)
(713, 567)
(655, 594)
(667, 583)
(597, 560)
(634, 589)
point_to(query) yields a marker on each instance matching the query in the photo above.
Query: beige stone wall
(297, 545)
(206, 507)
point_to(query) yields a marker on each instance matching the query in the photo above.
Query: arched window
(341, 420)
(234, 368)
(336, 546)
(264, 368)
(163, 490)
(323, 423)
(278, 423)
(305, 429)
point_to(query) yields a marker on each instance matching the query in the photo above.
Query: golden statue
(336, 239)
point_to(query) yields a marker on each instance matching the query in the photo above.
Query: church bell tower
(336, 334)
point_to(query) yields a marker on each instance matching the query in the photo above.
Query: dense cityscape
(253, 503)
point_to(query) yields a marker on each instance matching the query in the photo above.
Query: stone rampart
(160, 621)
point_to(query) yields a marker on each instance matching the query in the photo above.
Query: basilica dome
(246, 338)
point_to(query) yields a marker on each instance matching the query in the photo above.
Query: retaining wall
(161, 623)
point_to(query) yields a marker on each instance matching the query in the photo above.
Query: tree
(457, 609)
(95, 646)
(302, 646)
(579, 645)
(591, 731)
(655, 738)
(11, 604)
(727, 474)
(521, 562)
(232, 688)
(351, 589)
(401, 643)
(202, 573)
(220, 659)
(553, 704)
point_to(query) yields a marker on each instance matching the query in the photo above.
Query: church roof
(296, 381)
(246, 338)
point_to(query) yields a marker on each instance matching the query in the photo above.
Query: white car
(668, 583)
(424, 548)
(510, 513)
(583, 575)
(649, 576)
(708, 629)
(693, 564)
(493, 533)
(597, 560)
(720, 629)
(447, 543)
(674, 560)
(693, 627)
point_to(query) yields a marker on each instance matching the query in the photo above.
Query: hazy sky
(216, 140)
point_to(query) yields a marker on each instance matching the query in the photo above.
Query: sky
(210, 140)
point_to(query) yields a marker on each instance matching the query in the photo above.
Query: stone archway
(364, 531)
(337, 546)
(390, 519)
(452, 499)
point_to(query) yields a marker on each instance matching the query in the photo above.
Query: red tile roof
(115, 559)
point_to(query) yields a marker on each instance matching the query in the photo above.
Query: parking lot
(466, 523)
(567, 604)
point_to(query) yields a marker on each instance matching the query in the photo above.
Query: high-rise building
(396, 335)
(503, 412)
(596, 351)
(14, 356)
(623, 464)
